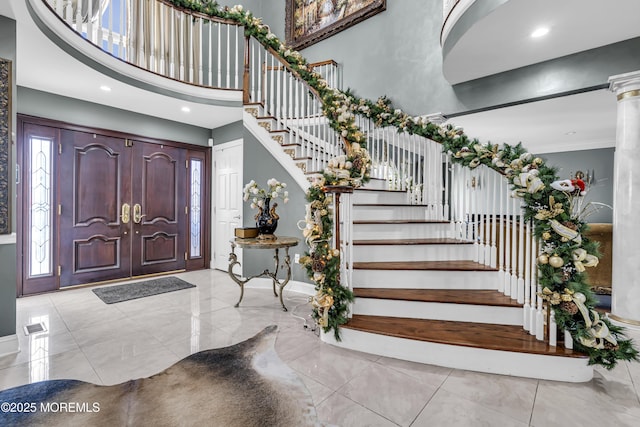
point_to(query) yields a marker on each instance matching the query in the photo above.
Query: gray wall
(56, 107)
(227, 133)
(397, 53)
(260, 166)
(8, 251)
(601, 162)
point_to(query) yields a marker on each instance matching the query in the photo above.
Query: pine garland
(565, 288)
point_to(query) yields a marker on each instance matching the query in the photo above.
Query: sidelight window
(40, 215)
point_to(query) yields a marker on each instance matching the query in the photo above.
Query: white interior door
(227, 201)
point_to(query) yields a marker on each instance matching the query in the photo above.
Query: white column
(625, 299)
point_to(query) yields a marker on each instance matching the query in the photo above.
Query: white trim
(9, 345)
(8, 239)
(555, 368)
(275, 149)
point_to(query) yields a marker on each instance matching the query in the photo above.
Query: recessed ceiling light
(573, 132)
(105, 88)
(185, 109)
(539, 32)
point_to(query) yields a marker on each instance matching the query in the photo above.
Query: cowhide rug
(243, 385)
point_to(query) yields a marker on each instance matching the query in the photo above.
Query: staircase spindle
(514, 249)
(521, 257)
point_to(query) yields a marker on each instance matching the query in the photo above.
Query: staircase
(421, 297)
(440, 259)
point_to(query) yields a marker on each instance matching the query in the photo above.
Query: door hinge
(59, 270)
(186, 210)
(185, 255)
(186, 164)
(128, 143)
(59, 147)
(59, 210)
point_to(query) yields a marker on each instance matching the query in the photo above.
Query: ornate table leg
(274, 276)
(233, 260)
(287, 264)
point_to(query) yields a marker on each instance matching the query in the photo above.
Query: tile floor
(109, 344)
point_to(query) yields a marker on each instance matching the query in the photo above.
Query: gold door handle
(137, 213)
(126, 209)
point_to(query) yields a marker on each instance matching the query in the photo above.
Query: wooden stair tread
(379, 189)
(427, 241)
(458, 265)
(467, 334)
(399, 221)
(450, 296)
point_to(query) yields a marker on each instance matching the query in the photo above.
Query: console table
(274, 244)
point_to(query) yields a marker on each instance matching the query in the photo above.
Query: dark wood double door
(122, 209)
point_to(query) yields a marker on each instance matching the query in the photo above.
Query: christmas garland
(549, 203)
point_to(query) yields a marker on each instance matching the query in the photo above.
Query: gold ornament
(546, 235)
(543, 259)
(556, 261)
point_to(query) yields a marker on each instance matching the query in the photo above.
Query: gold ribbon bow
(565, 231)
(582, 259)
(530, 181)
(322, 302)
(597, 330)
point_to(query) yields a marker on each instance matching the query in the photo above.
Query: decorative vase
(267, 220)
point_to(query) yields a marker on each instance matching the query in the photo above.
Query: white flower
(274, 194)
(260, 203)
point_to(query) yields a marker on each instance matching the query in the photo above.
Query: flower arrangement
(275, 189)
(549, 208)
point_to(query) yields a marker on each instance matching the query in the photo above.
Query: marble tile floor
(108, 344)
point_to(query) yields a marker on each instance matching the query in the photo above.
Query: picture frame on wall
(309, 21)
(5, 145)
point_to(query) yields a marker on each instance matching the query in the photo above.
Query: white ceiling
(578, 122)
(501, 41)
(541, 126)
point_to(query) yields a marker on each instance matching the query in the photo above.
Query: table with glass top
(274, 244)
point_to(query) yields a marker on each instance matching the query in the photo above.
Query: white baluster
(568, 340)
(553, 328)
(219, 64)
(507, 245)
(228, 61)
(534, 288)
(514, 248)
(210, 62)
(90, 35)
(122, 40)
(78, 23)
(521, 258)
(526, 312)
(237, 62)
(200, 80)
(539, 319)
(493, 255)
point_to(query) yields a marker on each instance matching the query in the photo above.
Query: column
(625, 283)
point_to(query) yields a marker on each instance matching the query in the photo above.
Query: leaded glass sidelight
(40, 211)
(195, 223)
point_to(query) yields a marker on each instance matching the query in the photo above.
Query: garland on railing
(548, 202)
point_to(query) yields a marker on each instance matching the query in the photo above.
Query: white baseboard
(9, 345)
(293, 286)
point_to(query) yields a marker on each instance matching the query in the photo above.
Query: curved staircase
(421, 297)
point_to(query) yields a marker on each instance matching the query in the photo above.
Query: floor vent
(34, 328)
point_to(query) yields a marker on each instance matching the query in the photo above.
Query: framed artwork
(5, 144)
(309, 21)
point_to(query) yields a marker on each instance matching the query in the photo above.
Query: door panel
(228, 201)
(38, 195)
(94, 240)
(159, 223)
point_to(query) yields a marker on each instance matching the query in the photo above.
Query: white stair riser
(425, 279)
(402, 231)
(388, 197)
(439, 311)
(385, 213)
(377, 184)
(526, 365)
(381, 253)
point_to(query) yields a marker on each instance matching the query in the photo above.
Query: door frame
(214, 218)
(21, 209)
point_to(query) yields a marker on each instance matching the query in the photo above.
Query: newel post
(246, 97)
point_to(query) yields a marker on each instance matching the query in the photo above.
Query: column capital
(625, 85)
